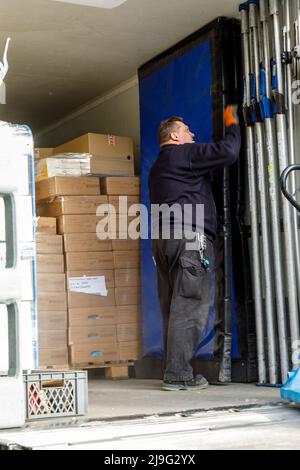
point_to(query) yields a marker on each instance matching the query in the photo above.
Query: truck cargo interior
(84, 87)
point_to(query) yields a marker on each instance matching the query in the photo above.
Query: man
(182, 175)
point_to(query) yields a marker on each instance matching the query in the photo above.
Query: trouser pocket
(192, 276)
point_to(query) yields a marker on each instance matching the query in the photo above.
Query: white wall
(116, 112)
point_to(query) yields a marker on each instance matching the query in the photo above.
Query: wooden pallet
(113, 370)
(52, 368)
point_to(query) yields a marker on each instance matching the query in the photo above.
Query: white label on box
(111, 140)
(95, 285)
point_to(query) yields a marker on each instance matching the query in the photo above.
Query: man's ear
(174, 136)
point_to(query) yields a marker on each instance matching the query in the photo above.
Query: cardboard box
(126, 245)
(129, 350)
(46, 225)
(107, 273)
(79, 224)
(119, 166)
(92, 334)
(128, 295)
(53, 357)
(119, 205)
(121, 186)
(92, 224)
(97, 353)
(98, 144)
(51, 282)
(95, 316)
(129, 332)
(77, 300)
(52, 320)
(89, 261)
(117, 227)
(49, 244)
(50, 264)
(67, 186)
(52, 301)
(127, 277)
(126, 259)
(45, 152)
(52, 339)
(71, 205)
(85, 242)
(112, 155)
(128, 314)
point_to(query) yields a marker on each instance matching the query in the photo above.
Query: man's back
(182, 175)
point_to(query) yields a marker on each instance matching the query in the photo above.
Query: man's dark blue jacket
(182, 174)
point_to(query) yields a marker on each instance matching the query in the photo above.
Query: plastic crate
(55, 394)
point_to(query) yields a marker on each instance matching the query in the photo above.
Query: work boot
(198, 383)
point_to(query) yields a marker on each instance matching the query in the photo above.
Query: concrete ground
(129, 398)
(137, 414)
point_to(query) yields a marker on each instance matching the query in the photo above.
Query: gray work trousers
(184, 287)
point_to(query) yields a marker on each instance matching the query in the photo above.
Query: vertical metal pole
(288, 62)
(264, 206)
(244, 9)
(249, 306)
(289, 233)
(274, 192)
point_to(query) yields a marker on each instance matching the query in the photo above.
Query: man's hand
(230, 115)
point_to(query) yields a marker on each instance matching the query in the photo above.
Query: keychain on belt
(201, 248)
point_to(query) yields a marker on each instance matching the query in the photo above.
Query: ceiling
(62, 55)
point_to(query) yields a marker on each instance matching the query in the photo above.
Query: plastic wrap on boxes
(66, 164)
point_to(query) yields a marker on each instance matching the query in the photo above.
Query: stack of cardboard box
(52, 297)
(126, 258)
(73, 203)
(102, 275)
(111, 155)
(90, 281)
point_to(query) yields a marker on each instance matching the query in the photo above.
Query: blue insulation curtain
(181, 87)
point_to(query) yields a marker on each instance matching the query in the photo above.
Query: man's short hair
(167, 127)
